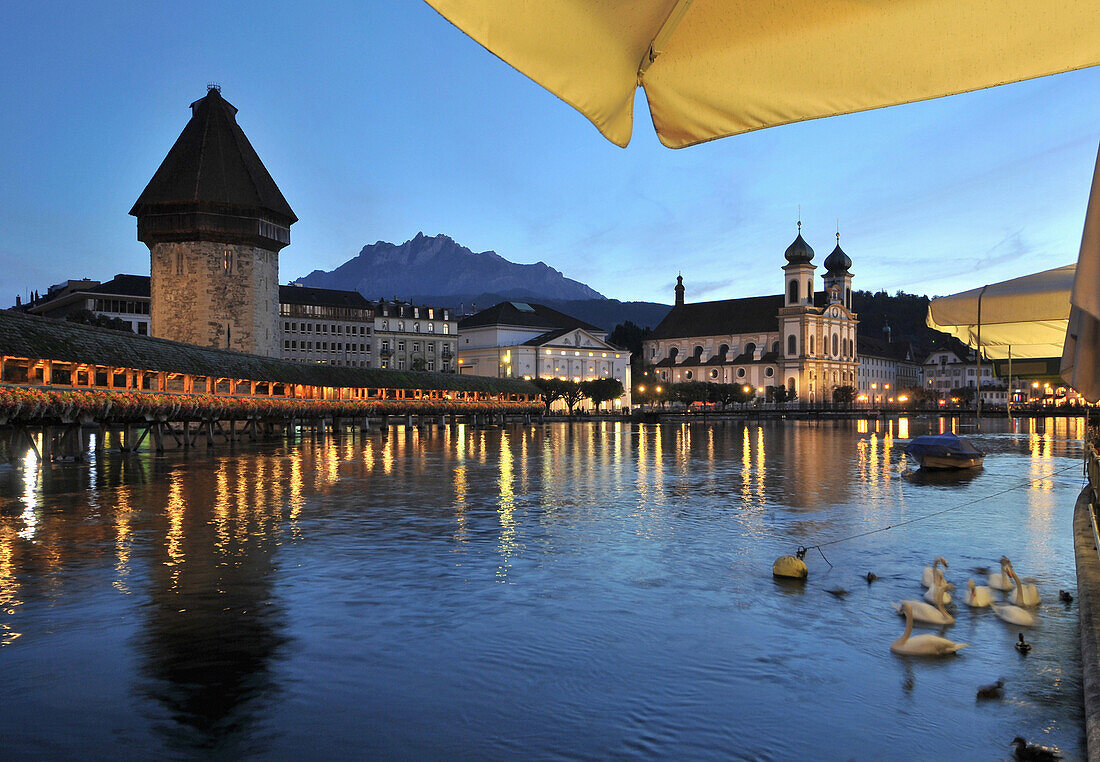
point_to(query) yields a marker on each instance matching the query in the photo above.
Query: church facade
(802, 338)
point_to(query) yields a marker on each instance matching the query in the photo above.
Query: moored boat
(944, 451)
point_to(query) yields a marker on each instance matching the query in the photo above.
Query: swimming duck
(1023, 646)
(922, 645)
(928, 577)
(977, 597)
(993, 691)
(1033, 752)
(1065, 597)
(839, 592)
(871, 577)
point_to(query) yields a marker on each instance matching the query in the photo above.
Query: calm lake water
(559, 591)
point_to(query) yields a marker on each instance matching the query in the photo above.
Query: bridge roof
(59, 340)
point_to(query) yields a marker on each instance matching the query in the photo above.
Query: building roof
(124, 285)
(754, 314)
(524, 315)
(45, 338)
(799, 252)
(323, 297)
(838, 262)
(213, 166)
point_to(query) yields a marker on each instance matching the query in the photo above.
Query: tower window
(228, 261)
(792, 294)
(179, 263)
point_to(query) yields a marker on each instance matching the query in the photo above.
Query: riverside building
(802, 338)
(521, 340)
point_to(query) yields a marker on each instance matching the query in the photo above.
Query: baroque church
(802, 338)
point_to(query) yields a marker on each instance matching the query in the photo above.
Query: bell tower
(214, 222)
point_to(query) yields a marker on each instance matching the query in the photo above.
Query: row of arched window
(842, 347)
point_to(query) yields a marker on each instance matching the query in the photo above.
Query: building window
(792, 346)
(688, 375)
(227, 262)
(792, 293)
(416, 346)
(769, 372)
(179, 263)
(400, 346)
(446, 328)
(740, 372)
(416, 327)
(431, 327)
(431, 364)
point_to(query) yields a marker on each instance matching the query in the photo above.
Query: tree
(551, 388)
(601, 390)
(631, 336)
(87, 317)
(783, 394)
(844, 395)
(965, 394)
(418, 364)
(571, 394)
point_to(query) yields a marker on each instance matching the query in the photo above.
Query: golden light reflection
(861, 426)
(175, 510)
(31, 473)
(123, 513)
(221, 506)
(903, 428)
(387, 455)
(760, 466)
(296, 498)
(746, 467)
(507, 508)
(9, 587)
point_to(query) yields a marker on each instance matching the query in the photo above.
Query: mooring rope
(802, 549)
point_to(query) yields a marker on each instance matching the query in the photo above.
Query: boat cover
(942, 445)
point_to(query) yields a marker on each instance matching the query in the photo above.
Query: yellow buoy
(790, 566)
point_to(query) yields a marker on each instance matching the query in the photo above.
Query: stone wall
(216, 295)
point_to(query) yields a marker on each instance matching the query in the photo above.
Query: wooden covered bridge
(57, 377)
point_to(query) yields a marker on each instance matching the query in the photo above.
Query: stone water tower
(214, 222)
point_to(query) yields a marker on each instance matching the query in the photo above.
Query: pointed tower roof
(799, 252)
(838, 262)
(212, 169)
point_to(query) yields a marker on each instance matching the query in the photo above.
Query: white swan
(1002, 581)
(922, 612)
(931, 593)
(977, 596)
(1013, 614)
(922, 645)
(928, 578)
(1025, 594)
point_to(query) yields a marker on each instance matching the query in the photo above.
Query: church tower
(214, 222)
(838, 279)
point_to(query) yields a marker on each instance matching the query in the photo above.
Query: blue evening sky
(379, 120)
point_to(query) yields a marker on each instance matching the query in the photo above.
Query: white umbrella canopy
(712, 68)
(1020, 318)
(1081, 356)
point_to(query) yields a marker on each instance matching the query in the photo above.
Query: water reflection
(276, 587)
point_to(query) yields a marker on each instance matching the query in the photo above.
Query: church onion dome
(838, 261)
(799, 252)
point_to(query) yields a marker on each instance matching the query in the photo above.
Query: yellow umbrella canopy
(712, 68)
(1022, 318)
(1081, 357)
